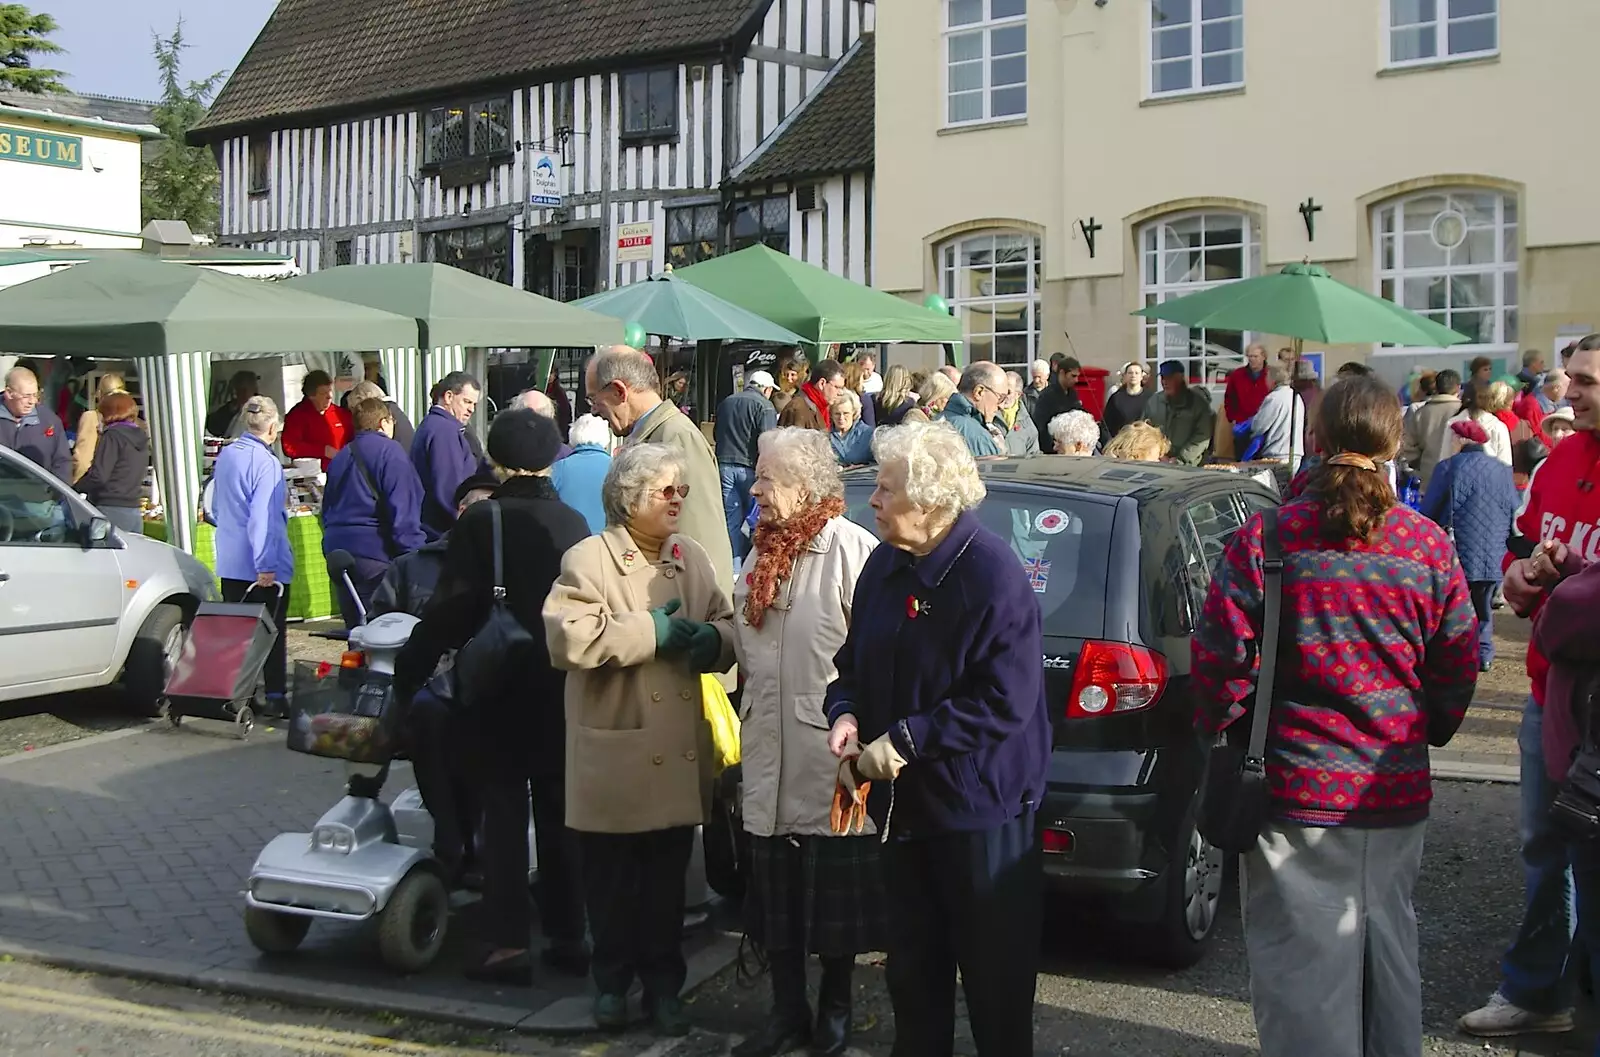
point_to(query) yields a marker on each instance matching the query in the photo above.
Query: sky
(108, 41)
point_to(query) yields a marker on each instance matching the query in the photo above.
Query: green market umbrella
(454, 307)
(821, 307)
(1304, 302)
(668, 306)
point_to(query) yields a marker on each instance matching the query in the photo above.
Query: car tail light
(1057, 842)
(352, 659)
(1114, 677)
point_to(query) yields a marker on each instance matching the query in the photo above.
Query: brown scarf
(777, 545)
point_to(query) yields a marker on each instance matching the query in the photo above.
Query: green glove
(671, 635)
(705, 646)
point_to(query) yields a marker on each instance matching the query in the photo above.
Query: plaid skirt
(823, 895)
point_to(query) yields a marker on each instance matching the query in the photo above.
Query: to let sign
(40, 148)
(636, 242)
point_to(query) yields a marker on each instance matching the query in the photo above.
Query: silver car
(83, 604)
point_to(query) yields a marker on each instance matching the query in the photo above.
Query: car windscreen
(1062, 541)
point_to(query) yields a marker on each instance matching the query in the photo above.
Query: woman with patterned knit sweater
(1376, 661)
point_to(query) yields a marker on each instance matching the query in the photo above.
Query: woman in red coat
(316, 427)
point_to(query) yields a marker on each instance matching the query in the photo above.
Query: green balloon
(937, 303)
(635, 336)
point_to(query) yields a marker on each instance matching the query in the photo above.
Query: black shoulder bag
(1235, 804)
(500, 648)
(385, 514)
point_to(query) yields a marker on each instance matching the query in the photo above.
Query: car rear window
(1062, 541)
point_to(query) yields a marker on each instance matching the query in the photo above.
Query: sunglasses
(674, 491)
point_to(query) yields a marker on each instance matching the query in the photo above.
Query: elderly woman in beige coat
(811, 891)
(635, 618)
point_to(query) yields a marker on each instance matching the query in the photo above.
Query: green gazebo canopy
(821, 307)
(132, 308)
(454, 307)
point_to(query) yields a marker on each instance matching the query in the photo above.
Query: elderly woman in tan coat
(811, 891)
(635, 618)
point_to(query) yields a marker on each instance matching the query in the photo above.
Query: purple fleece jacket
(955, 680)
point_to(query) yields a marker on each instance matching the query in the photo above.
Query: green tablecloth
(312, 597)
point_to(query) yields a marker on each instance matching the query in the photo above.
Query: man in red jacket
(1560, 515)
(1247, 387)
(316, 427)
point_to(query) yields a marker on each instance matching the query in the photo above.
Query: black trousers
(970, 901)
(366, 576)
(433, 743)
(505, 790)
(276, 671)
(635, 887)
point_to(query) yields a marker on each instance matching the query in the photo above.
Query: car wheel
(150, 659)
(1193, 900)
(411, 928)
(274, 932)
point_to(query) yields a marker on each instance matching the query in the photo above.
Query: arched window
(1452, 256)
(1183, 254)
(992, 280)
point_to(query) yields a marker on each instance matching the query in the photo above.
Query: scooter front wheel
(411, 928)
(274, 932)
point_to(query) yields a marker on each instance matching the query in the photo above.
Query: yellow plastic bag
(724, 722)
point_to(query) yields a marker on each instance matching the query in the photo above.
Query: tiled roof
(831, 132)
(71, 104)
(316, 56)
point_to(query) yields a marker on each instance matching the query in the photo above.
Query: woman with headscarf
(635, 619)
(939, 702)
(1378, 662)
(792, 606)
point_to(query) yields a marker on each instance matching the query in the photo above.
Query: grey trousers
(1331, 934)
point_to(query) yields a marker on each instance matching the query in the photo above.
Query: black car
(1120, 554)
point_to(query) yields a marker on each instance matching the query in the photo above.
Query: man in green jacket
(1184, 414)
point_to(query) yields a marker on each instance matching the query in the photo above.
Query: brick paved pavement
(132, 853)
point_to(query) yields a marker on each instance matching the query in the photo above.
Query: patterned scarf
(777, 545)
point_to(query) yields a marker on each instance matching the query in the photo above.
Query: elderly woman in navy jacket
(939, 679)
(372, 506)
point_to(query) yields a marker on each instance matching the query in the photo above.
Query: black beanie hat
(523, 440)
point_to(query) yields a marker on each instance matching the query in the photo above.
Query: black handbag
(501, 648)
(1576, 810)
(1234, 807)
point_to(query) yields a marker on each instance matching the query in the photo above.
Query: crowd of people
(898, 672)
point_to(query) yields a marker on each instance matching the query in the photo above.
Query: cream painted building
(69, 181)
(1053, 165)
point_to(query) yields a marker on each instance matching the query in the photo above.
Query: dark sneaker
(669, 1017)
(611, 1012)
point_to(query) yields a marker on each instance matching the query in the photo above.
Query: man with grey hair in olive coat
(625, 390)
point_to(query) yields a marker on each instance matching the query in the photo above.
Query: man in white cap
(741, 419)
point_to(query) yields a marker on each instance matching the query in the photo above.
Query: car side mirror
(96, 532)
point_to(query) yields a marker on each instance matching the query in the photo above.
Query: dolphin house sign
(40, 148)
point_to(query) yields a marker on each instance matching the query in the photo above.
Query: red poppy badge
(915, 607)
(49, 431)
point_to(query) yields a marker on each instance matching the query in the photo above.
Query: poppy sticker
(1050, 522)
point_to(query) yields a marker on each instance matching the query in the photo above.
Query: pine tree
(23, 35)
(181, 182)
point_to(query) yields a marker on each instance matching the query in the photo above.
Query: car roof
(1111, 478)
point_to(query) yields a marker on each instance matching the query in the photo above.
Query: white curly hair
(803, 457)
(1074, 429)
(941, 474)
